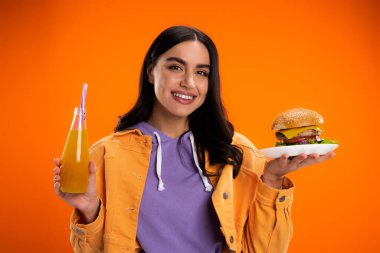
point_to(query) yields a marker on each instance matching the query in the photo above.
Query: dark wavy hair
(209, 124)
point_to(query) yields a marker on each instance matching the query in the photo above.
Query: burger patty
(307, 133)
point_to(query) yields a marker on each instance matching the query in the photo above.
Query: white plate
(294, 150)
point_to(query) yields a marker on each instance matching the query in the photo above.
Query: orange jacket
(253, 216)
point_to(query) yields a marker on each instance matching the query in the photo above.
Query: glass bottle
(75, 156)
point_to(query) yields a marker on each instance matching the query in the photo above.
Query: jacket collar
(129, 131)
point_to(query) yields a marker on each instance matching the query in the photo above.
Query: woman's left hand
(276, 169)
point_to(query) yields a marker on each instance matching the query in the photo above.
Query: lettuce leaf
(327, 141)
(310, 141)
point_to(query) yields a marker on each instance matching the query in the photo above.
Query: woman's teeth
(183, 96)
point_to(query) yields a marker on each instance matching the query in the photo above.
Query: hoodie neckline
(149, 130)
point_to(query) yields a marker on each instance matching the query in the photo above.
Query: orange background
(321, 55)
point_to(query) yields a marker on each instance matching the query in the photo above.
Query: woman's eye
(175, 67)
(202, 73)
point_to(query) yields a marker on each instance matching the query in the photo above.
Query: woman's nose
(188, 81)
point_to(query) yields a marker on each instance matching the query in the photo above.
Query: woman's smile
(183, 98)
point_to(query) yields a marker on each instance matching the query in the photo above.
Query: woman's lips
(183, 98)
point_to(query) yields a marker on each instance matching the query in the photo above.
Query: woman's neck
(167, 123)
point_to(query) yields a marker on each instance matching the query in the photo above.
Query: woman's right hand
(86, 203)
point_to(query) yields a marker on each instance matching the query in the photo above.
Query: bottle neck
(79, 120)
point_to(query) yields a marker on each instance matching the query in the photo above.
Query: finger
(315, 158)
(325, 157)
(91, 188)
(57, 186)
(91, 168)
(57, 170)
(57, 161)
(294, 163)
(92, 173)
(329, 155)
(310, 160)
(283, 161)
(57, 178)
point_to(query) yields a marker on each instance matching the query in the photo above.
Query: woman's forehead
(191, 52)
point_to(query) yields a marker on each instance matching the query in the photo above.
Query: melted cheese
(290, 133)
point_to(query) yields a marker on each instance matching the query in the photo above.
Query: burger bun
(297, 117)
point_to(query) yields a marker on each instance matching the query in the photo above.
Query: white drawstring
(158, 163)
(161, 187)
(208, 186)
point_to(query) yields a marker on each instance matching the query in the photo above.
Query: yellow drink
(75, 159)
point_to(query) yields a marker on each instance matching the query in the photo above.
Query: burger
(299, 126)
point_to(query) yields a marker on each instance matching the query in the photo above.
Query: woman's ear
(150, 74)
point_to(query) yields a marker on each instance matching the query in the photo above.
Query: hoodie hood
(159, 139)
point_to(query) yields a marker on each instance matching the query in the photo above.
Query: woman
(175, 177)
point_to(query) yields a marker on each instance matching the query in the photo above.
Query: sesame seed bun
(297, 117)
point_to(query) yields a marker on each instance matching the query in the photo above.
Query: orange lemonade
(75, 159)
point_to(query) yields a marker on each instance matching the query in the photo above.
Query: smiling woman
(180, 79)
(175, 176)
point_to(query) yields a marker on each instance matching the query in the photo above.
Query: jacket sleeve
(269, 226)
(88, 238)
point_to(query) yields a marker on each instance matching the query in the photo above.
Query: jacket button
(282, 199)
(231, 239)
(79, 231)
(225, 195)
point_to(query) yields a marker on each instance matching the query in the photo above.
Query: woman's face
(180, 79)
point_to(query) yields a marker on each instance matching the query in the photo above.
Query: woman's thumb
(91, 168)
(91, 188)
(91, 172)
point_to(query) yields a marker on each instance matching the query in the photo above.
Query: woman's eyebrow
(179, 60)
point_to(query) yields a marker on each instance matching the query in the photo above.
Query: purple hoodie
(176, 212)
